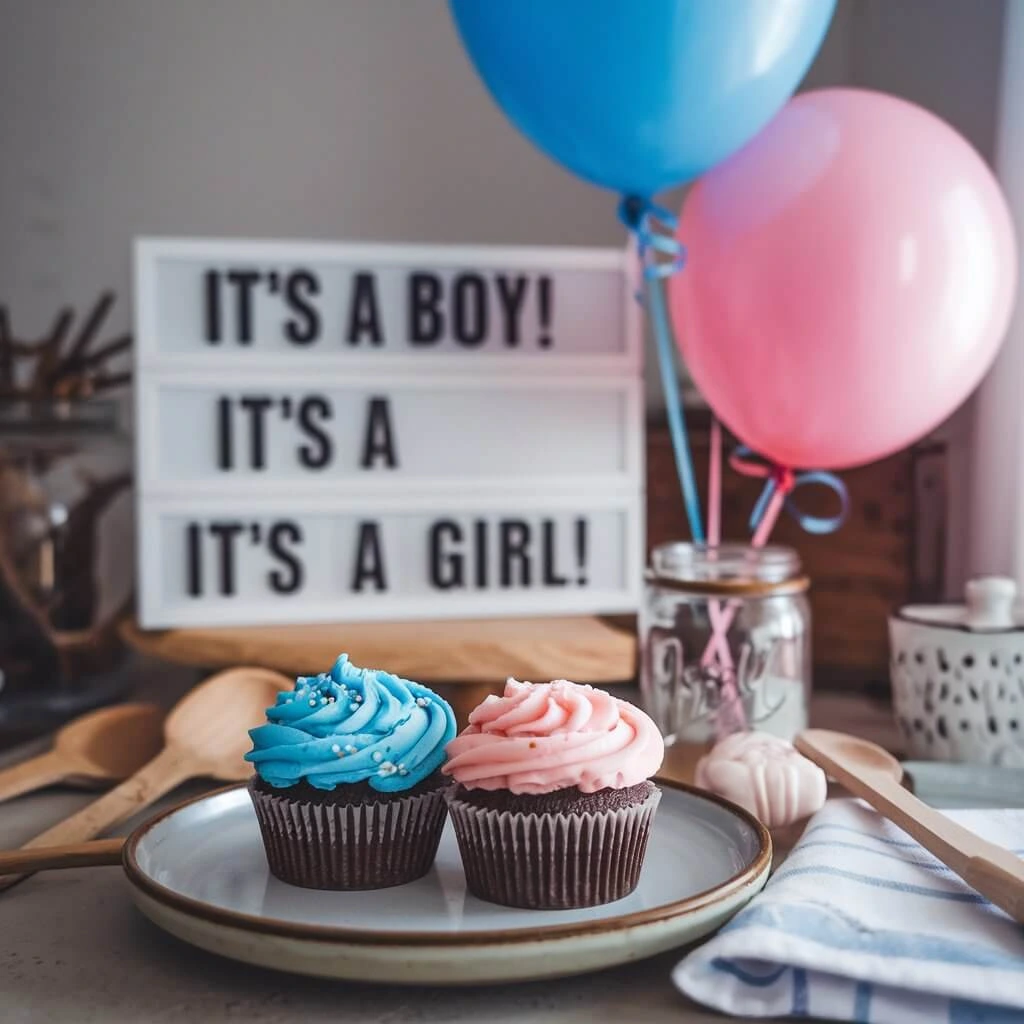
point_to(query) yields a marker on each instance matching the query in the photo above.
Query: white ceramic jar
(958, 676)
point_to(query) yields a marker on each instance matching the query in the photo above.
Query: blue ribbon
(775, 476)
(654, 239)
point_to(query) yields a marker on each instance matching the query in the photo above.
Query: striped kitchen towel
(862, 924)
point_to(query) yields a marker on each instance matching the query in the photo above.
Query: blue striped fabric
(862, 924)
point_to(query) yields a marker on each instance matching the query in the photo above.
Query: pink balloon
(850, 276)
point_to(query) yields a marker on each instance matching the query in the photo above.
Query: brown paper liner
(552, 861)
(350, 846)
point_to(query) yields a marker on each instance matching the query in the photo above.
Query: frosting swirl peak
(352, 725)
(537, 738)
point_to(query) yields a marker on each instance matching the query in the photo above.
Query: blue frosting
(353, 725)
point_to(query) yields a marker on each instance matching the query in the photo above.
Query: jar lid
(990, 607)
(727, 568)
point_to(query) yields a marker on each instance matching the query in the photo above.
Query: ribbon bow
(654, 228)
(781, 480)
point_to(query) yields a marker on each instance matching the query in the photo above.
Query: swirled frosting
(352, 725)
(537, 738)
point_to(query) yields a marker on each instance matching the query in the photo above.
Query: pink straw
(768, 520)
(719, 642)
(735, 719)
(715, 486)
(760, 538)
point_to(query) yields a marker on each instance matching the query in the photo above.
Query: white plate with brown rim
(199, 872)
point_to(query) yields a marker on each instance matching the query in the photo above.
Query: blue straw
(674, 403)
(638, 214)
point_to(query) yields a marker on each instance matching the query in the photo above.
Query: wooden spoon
(205, 736)
(103, 746)
(94, 854)
(867, 771)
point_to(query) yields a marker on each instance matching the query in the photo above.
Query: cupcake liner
(552, 861)
(350, 846)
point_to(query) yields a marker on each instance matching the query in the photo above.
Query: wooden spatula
(205, 736)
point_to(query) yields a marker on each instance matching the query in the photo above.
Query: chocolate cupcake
(347, 790)
(552, 805)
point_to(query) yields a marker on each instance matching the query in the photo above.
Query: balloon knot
(784, 477)
(660, 252)
(632, 211)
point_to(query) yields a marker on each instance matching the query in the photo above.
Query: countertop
(74, 949)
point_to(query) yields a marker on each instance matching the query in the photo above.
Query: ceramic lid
(991, 607)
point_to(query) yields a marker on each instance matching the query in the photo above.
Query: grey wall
(347, 119)
(343, 119)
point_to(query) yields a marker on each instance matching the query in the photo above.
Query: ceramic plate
(199, 872)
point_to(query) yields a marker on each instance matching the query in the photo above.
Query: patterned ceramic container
(958, 677)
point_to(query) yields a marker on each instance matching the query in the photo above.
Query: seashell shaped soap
(765, 775)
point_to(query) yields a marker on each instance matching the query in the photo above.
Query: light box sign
(382, 305)
(379, 432)
(316, 559)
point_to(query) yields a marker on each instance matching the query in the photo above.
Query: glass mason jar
(725, 640)
(65, 547)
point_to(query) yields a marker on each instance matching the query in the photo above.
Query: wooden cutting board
(476, 656)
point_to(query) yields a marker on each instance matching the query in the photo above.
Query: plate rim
(759, 865)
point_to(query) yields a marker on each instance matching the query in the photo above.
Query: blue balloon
(641, 95)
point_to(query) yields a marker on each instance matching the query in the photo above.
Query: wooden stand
(474, 658)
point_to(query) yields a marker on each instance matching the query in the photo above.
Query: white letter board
(354, 432)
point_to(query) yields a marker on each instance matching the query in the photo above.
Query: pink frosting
(539, 737)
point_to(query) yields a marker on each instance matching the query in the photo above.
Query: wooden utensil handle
(994, 872)
(148, 784)
(32, 774)
(1001, 883)
(98, 853)
(951, 843)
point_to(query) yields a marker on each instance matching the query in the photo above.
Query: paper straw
(718, 635)
(760, 538)
(715, 485)
(734, 719)
(674, 405)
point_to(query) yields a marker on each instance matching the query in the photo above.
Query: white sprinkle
(312, 702)
(359, 698)
(353, 707)
(387, 768)
(422, 702)
(378, 756)
(323, 700)
(330, 700)
(402, 771)
(350, 749)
